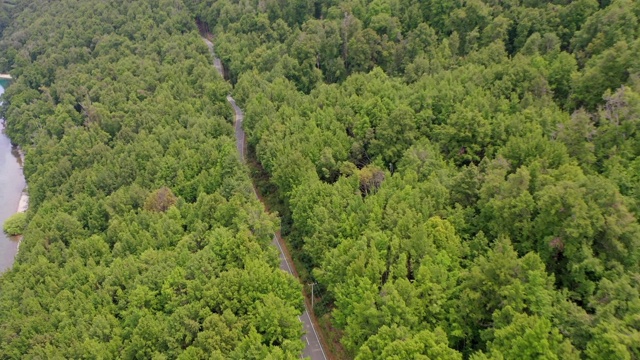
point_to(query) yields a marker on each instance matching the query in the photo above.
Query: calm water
(11, 186)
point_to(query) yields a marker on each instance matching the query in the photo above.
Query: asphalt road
(313, 348)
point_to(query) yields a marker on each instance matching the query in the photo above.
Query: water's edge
(23, 204)
(14, 196)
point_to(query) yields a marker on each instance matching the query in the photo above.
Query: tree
(15, 224)
(160, 200)
(529, 337)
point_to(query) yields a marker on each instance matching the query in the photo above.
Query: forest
(460, 178)
(144, 239)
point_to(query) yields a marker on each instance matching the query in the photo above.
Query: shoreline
(23, 203)
(23, 206)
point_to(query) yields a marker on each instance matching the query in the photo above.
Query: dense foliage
(15, 224)
(6, 6)
(461, 178)
(144, 239)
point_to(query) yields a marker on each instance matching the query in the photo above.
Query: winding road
(313, 347)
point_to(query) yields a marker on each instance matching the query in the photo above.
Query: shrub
(15, 224)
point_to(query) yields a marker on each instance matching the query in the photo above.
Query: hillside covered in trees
(460, 178)
(144, 237)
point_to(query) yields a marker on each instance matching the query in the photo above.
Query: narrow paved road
(313, 348)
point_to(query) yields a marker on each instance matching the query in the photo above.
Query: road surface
(313, 348)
